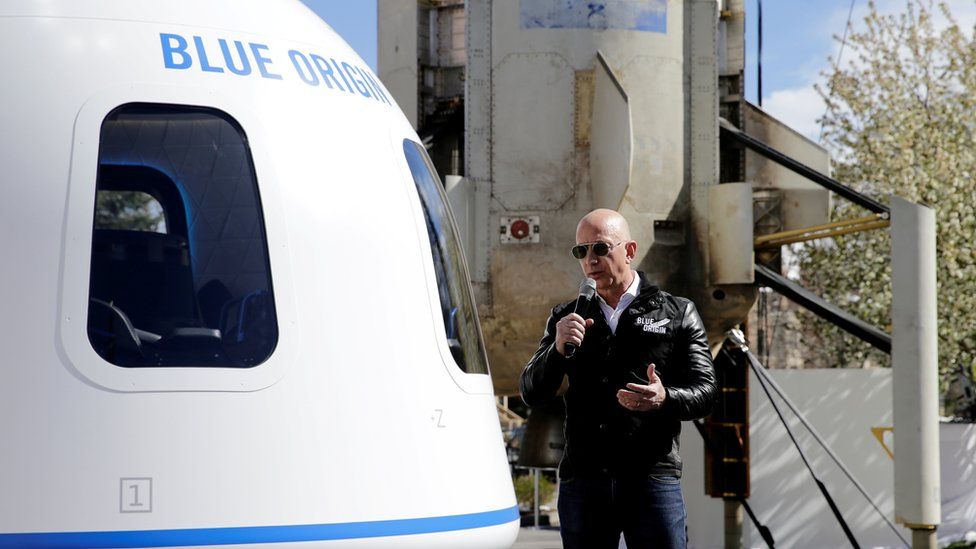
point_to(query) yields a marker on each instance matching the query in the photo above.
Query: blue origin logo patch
(653, 326)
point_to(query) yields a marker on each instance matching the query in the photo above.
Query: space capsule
(237, 311)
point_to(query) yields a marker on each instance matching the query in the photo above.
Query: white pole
(915, 369)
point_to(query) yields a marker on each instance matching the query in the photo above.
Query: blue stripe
(259, 534)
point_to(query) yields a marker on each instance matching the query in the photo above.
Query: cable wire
(763, 375)
(840, 54)
(820, 484)
(759, 30)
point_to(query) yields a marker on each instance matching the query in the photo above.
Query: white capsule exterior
(359, 430)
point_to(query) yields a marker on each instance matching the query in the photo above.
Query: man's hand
(643, 398)
(570, 329)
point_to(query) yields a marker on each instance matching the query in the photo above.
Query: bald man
(641, 367)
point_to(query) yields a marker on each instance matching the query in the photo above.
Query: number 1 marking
(135, 497)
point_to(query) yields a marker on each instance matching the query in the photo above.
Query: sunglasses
(600, 249)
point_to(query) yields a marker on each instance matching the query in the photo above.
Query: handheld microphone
(587, 290)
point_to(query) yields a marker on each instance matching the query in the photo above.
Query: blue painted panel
(639, 15)
(258, 534)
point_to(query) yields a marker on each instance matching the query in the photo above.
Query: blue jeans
(649, 511)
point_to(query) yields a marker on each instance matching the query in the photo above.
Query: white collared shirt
(613, 315)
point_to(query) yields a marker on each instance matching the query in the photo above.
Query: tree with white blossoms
(901, 119)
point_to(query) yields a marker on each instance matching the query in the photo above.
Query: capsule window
(457, 306)
(179, 261)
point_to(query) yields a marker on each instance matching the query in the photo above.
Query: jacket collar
(647, 298)
(647, 289)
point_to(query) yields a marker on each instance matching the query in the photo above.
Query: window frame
(473, 383)
(119, 172)
(77, 351)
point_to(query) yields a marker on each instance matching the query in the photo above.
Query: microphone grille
(587, 287)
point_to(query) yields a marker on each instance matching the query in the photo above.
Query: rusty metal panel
(583, 108)
(532, 126)
(612, 143)
(730, 234)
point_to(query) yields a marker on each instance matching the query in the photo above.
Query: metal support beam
(826, 234)
(824, 309)
(730, 131)
(703, 143)
(828, 230)
(833, 225)
(477, 136)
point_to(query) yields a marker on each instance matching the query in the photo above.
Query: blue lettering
(366, 82)
(202, 54)
(336, 65)
(359, 84)
(229, 60)
(240, 58)
(368, 76)
(169, 50)
(326, 71)
(262, 61)
(312, 79)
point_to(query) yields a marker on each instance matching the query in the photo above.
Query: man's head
(611, 272)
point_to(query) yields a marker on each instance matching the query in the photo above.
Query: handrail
(727, 129)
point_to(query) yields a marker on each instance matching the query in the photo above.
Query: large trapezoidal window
(179, 270)
(457, 307)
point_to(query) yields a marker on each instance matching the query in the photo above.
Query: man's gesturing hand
(570, 329)
(643, 398)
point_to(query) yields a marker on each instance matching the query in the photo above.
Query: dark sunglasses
(600, 249)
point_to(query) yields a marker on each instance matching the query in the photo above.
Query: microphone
(587, 290)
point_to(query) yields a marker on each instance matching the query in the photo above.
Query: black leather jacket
(603, 437)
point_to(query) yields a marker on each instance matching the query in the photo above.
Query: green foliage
(128, 210)
(524, 493)
(901, 119)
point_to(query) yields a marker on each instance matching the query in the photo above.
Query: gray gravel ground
(530, 538)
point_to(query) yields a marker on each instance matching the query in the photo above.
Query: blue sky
(355, 20)
(798, 38)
